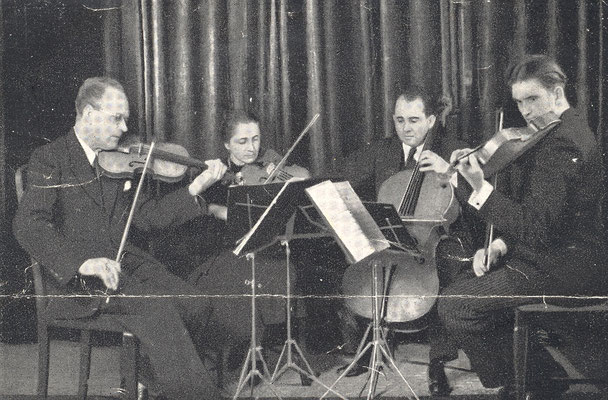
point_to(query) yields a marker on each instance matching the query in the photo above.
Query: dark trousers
(449, 250)
(478, 315)
(174, 325)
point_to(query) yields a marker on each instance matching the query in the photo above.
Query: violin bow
(490, 228)
(281, 163)
(125, 233)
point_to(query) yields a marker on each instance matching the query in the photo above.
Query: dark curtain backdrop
(186, 61)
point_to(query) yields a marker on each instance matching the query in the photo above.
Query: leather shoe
(357, 370)
(438, 381)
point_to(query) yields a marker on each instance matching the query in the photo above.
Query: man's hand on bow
(105, 269)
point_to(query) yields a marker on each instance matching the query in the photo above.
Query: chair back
(39, 288)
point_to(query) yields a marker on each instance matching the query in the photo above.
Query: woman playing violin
(549, 236)
(247, 162)
(223, 273)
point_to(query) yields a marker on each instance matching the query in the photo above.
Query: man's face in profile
(411, 121)
(106, 121)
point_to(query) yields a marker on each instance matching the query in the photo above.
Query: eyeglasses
(115, 118)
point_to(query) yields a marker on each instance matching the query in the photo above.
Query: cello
(425, 206)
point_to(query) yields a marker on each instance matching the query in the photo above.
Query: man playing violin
(549, 240)
(71, 219)
(415, 117)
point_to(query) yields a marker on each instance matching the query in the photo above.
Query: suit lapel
(102, 190)
(82, 170)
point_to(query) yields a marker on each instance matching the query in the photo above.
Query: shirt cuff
(479, 198)
(500, 245)
(454, 180)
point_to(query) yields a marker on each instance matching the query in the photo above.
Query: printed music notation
(344, 213)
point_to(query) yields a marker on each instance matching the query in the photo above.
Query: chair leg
(128, 366)
(43, 361)
(85, 363)
(521, 336)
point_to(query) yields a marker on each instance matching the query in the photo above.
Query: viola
(270, 167)
(169, 163)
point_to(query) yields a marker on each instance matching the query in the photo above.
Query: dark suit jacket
(67, 215)
(548, 211)
(377, 161)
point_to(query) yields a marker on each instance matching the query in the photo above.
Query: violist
(549, 235)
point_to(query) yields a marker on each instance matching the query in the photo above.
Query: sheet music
(354, 228)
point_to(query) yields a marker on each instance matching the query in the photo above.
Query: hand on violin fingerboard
(214, 172)
(469, 168)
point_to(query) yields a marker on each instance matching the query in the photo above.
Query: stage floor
(18, 368)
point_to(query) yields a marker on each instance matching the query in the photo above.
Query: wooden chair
(526, 319)
(101, 323)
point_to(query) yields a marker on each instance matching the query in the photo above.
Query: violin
(509, 144)
(271, 167)
(264, 170)
(169, 163)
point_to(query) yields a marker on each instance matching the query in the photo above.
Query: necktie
(410, 163)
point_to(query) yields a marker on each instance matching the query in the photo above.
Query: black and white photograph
(303, 199)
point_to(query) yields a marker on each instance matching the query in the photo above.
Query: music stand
(364, 242)
(255, 200)
(378, 345)
(274, 212)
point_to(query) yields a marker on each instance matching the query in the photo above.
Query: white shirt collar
(406, 151)
(87, 150)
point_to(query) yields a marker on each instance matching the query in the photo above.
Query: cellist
(549, 236)
(415, 118)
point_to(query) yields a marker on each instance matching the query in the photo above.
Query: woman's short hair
(235, 117)
(92, 90)
(537, 66)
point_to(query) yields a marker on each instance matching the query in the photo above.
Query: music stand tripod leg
(381, 348)
(255, 352)
(307, 375)
(378, 345)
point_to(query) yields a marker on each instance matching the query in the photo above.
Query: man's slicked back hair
(429, 99)
(92, 90)
(537, 66)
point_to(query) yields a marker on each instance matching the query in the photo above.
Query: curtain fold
(314, 51)
(3, 175)
(288, 60)
(158, 87)
(210, 80)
